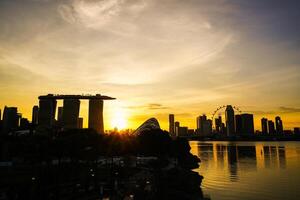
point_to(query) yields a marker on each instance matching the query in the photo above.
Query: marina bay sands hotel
(69, 113)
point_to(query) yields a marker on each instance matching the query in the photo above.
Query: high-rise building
(247, 124)
(70, 113)
(207, 127)
(47, 108)
(171, 124)
(96, 115)
(223, 128)
(204, 126)
(182, 131)
(0, 115)
(200, 121)
(191, 132)
(35, 115)
(297, 130)
(24, 124)
(80, 122)
(177, 125)
(10, 120)
(238, 125)
(218, 123)
(229, 116)
(278, 124)
(264, 126)
(271, 127)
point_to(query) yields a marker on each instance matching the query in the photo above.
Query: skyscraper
(238, 125)
(24, 124)
(177, 125)
(271, 127)
(278, 124)
(70, 113)
(247, 124)
(10, 120)
(171, 124)
(204, 126)
(229, 116)
(218, 123)
(47, 112)
(35, 115)
(207, 127)
(200, 122)
(264, 126)
(96, 115)
(182, 131)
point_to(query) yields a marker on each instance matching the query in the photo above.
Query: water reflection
(249, 170)
(245, 157)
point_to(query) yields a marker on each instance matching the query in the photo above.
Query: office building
(297, 130)
(200, 121)
(238, 125)
(278, 125)
(191, 132)
(264, 126)
(229, 117)
(223, 129)
(247, 124)
(204, 125)
(70, 113)
(271, 127)
(207, 127)
(96, 115)
(182, 131)
(177, 125)
(35, 115)
(46, 116)
(24, 124)
(172, 124)
(10, 121)
(218, 123)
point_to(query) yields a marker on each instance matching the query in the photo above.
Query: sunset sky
(156, 57)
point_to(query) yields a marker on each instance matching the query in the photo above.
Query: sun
(119, 121)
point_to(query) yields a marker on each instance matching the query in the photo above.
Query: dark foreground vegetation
(81, 164)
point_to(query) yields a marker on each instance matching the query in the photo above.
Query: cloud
(67, 13)
(260, 112)
(150, 106)
(279, 110)
(156, 106)
(289, 109)
(15, 75)
(98, 13)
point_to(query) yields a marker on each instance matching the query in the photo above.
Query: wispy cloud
(289, 109)
(150, 106)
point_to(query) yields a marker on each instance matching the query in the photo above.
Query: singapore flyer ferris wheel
(222, 109)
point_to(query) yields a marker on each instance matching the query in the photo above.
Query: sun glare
(119, 121)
